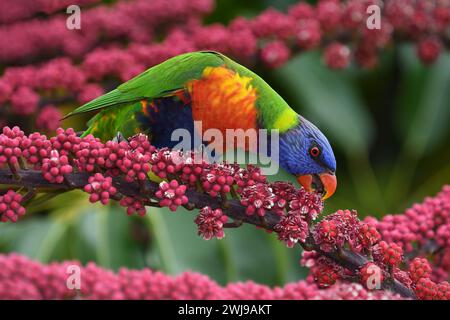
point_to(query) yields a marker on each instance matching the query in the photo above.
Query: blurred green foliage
(390, 131)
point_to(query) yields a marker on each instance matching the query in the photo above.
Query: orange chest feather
(223, 99)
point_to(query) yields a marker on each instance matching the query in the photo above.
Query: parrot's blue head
(306, 153)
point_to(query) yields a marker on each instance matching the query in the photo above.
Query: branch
(346, 258)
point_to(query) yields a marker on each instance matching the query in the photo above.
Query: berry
(337, 56)
(10, 207)
(371, 276)
(391, 254)
(171, 195)
(419, 268)
(275, 54)
(166, 163)
(368, 235)
(425, 289)
(218, 178)
(55, 167)
(100, 188)
(133, 206)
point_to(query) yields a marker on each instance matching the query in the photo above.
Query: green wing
(157, 81)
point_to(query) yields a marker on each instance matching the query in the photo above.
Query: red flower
(49, 118)
(425, 289)
(337, 56)
(275, 54)
(210, 223)
(429, 50)
(368, 235)
(248, 177)
(419, 268)
(257, 198)
(370, 271)
(165, 163)
(391, 254)
(325, 272)
(307, 204)
(292, 228)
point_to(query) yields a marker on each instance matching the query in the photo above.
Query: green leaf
(36, 238)
(427, 113)
(180, 248)
(103, 234)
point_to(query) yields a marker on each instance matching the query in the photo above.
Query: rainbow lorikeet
(209, 87)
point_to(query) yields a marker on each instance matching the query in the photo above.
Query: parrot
(211, 88)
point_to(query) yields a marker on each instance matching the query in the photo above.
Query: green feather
(157, 81)
(161, 80)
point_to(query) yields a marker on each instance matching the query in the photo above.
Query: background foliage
(390, 131)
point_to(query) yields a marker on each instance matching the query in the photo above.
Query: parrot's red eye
(314, 151)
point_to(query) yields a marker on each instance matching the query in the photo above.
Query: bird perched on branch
(210, 89)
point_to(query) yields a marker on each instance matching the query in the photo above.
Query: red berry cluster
(248, 176)
(325, 272)
(100, 188)
(55, 167)
(371, 271)
(337, 229)
(426, 289)
(343, 229)
(218, 178)
(10, 207)
(166, 163)
(35, 149)
(419, 268)
(133, 205)
(418, 228)
(22, 278)
(171, 195)
(389, 253)
(10, 143)
(193, 169)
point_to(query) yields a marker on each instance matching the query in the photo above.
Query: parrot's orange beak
(324, 183)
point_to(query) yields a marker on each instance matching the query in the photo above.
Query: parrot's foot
(234, 224)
